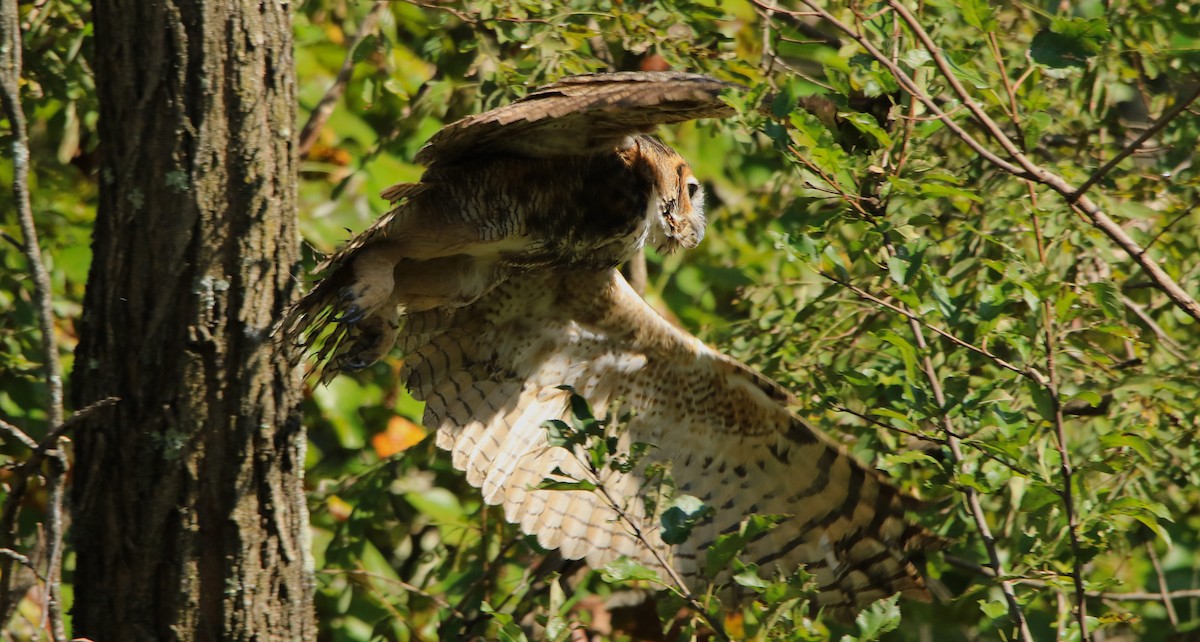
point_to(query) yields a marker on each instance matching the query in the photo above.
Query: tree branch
(1021, 166)
(1073, 196)
(18, 485)
(10, 102)
(320, 113)
(1133, 146)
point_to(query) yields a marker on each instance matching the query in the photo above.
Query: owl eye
(693, 186)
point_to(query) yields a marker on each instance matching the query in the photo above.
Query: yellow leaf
(400, 435)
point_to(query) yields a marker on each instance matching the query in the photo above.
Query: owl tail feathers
(339, 336)
(878, 569)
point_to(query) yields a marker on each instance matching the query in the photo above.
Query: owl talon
(352, 315)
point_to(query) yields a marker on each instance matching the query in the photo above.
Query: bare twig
(401, 584)
(1172, 223)
(1131, 596)
(321, 113)
(55, 526)
(18, 434)
(16, 243)
(1162, 585)
(1065, 467)
(680, 586)
(1050, 338)
(20, 559)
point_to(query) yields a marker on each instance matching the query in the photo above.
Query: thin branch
(18, 434)
(1167, 117)
(1171, 224)
(11, 239)
(681, 587)
(10, 103)
(910, 86)
(20, 559)
(1131, 596)
(1147, 596)
(401, 584)
(18, 485)
(1065, 468)
(1053, 390)
(975, 507)
(324, 108)
(1168, 342)
(912, 317)
(1162, 585)
(55, 526)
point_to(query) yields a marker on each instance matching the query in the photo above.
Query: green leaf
(580, 408)
(747, 575)
(879, 618)
(509, 630)
(624, 569)
(1041, 400)
(681, 516)
(1129, 440)
(909, 457)
(555, 484)
(560, 434)
(993, 608)
(978, 14)
(438, 503)
(1069, 42)
(868, 125)
(1109, 298)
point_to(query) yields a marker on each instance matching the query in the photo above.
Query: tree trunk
(189, 510)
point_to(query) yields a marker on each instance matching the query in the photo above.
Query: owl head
(676, 210)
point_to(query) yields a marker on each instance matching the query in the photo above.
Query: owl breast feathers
(496, 277)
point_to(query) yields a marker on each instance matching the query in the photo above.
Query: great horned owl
(497, 273)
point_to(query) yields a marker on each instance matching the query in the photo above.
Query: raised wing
(491, 375)
(580, 115)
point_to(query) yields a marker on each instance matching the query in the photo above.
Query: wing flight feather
(579, 115)
(492, 376)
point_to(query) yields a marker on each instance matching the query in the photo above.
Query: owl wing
(580, 115)
(493, 373)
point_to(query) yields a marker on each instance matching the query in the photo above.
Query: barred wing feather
(492, 375)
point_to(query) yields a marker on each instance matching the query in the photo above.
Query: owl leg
(371, 286)
(452, 281)
(370, 339)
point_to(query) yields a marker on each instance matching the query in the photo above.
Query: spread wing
(580, 115)
(491, 374)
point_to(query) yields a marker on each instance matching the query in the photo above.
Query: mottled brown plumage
(496, 273)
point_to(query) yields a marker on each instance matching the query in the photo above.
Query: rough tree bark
(189, 514)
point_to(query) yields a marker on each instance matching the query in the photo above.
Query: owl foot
(370, 338)
(351, 315)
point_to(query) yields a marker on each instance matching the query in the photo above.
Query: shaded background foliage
(837, 203)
